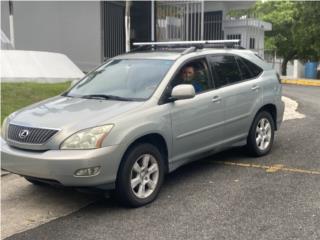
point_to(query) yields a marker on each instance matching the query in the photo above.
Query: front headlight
(87, 139)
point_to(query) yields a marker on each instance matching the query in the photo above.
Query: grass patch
(17, 95)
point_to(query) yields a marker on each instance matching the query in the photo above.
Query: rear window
(244, 69)
(254, 69)
(226, 70)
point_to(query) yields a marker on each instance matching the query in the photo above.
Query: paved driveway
(225, 196)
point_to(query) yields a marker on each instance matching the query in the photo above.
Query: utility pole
(127, 24)
(11, 23)
(152, 21)
(202, 20)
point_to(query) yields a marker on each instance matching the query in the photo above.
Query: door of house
(213, 25)
(113, 28)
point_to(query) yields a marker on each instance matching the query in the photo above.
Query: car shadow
(183, 175)
(187, 173)
(187, 181)
(208, 163)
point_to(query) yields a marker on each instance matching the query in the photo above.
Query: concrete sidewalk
(25, 206)
(301, 81)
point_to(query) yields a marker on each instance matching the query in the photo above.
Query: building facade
(90, 32)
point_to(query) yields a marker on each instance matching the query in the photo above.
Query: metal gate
(213, 25)
(113, 28)
(179, 20)
(187, 20)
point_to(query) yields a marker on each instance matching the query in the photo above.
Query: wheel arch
(272, 109)
(154, 138)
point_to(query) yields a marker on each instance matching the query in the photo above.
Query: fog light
(87, 172)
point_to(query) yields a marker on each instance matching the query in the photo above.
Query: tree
(307, 36)
(295, 28)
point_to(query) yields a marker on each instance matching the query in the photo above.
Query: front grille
(34, 136)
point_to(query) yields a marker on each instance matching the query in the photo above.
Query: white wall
(72, 28)
(5, 17)
(225, 6)
(277, 67)
(237, 30)
(298, 69)
(35, 66)
(246, 32)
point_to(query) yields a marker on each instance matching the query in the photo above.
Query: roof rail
(201, 44)
(189, 50)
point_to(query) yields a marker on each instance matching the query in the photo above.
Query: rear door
(240, 93)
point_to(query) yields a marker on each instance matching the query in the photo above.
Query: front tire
(261, 135)
(140, 175)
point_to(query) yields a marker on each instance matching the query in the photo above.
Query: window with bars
(234, 36)
(213, 25)
(252, 43)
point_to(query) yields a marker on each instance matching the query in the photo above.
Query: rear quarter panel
(271, 89)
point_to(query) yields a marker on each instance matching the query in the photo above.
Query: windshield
(125, 79)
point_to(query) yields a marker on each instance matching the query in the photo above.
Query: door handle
(255, 87)
(216, 99)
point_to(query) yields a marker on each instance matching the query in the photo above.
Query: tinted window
(226, 70)
(253, 67)
(244, 69)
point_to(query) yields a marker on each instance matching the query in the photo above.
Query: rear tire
(140, 175)
(261, 134)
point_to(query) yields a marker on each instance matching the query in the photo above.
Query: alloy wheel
(263, 134)
(144, 176)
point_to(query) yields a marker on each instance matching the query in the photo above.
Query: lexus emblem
(23, 133)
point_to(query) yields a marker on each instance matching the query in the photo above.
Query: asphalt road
(225, 196)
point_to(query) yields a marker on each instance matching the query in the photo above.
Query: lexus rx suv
(143, 114)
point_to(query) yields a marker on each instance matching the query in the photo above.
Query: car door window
(226, 70)
(253, 67)
(195, 73)
(244, 69)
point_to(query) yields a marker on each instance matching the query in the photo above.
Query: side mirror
(183, 91)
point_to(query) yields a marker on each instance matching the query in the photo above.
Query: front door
(197, 123)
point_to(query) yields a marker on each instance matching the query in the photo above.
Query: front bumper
(60, 165)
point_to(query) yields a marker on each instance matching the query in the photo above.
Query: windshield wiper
(106, 97)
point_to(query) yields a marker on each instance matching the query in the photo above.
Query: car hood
(72, 113)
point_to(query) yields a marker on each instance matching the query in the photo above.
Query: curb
(304, 82)
(4, 173)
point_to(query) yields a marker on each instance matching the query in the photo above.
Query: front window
(195, 73)
(123, 79)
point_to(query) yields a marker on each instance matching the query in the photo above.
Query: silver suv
(144, 114)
